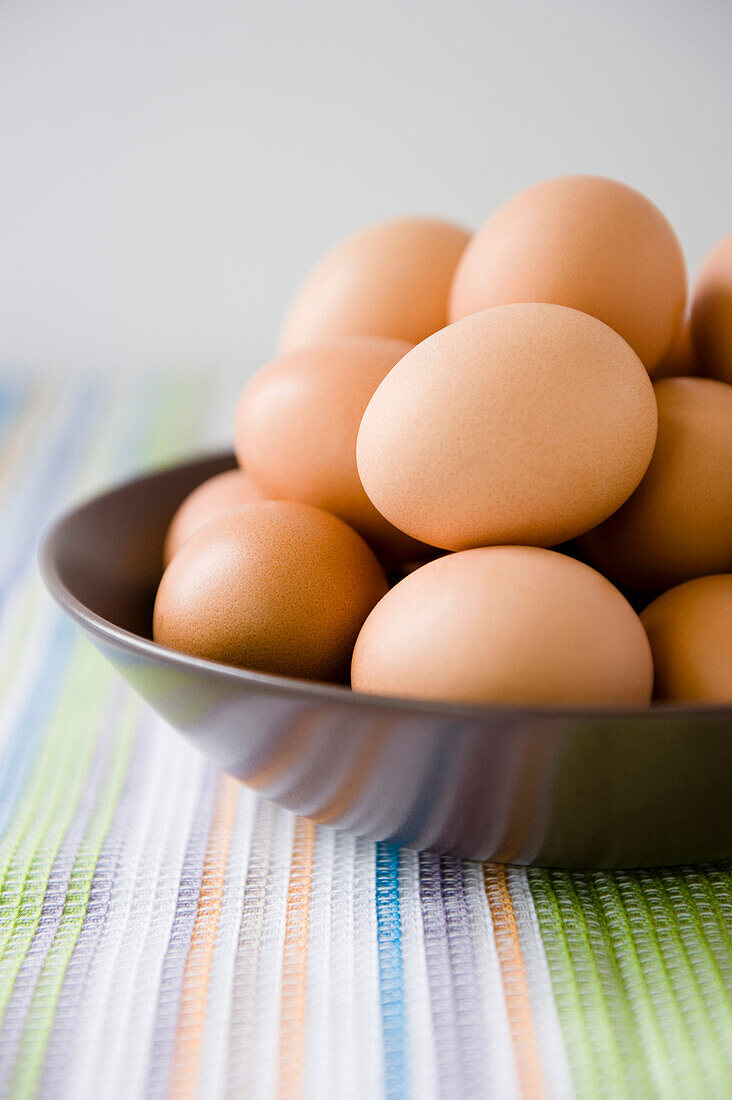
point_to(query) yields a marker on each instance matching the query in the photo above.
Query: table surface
(163, 930)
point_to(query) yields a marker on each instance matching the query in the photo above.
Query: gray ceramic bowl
(552, 787)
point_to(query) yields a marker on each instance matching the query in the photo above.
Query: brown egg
(274, 586)
(679, 360)
(296, 427)
(711, 313)
(586, 242)
(678, 523)
(390, 279)
(522, 424)
(690, 631)
(505, 624)
(227, 490)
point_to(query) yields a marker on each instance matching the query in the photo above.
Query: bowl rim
(315, 690)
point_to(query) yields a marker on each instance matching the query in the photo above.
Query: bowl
(562, 787)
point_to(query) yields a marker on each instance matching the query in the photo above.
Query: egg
(226, 490)
(582, 241)
(679, 360)
(276, 586)
(296, 426)
(525, 423)
(505, 624)
(711, 313)
(690, 631)
(390, 279)
(678, 523)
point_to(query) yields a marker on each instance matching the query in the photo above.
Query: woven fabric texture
(163, 931)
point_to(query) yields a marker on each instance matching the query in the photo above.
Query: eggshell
(522, 424)
(275, 586)
(296, 426)
(690, 631)
(711, 313)
(505, 624)
(678, 523)
(227, 490)
(679, 361)
(390, 279)
(586, 242)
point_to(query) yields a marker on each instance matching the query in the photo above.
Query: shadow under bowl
(608, 787)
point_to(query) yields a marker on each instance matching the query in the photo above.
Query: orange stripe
(189, 1033)
(294, 963)
(518, 1004)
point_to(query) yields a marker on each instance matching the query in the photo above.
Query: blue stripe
(391, 971)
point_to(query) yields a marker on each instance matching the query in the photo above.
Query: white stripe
(214, 1042)
(104, 990)
(320, 981)
(341, 1022)
(502, 1080)
(366, 1006)
(422, 1067)
(546, 1021)
(172, 792)
(261, 1068)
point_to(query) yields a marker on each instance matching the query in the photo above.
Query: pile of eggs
(474, 461)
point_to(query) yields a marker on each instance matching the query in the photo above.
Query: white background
(169, 169)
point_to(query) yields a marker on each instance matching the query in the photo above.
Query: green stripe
(615, 958)
(642, 977)
(168, 418)
(591, 1042)
(647, 1053)
(720, 883)
(43, 1007)
(45, 812)
(695, 981)
(715, 921)
(642, 922)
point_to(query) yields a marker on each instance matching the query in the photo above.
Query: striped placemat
(163, 931)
